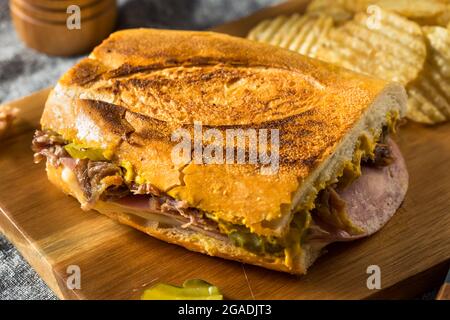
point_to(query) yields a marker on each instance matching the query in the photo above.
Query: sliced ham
(371, 200)
(164, 205)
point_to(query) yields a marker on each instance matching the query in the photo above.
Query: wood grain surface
(117, 262)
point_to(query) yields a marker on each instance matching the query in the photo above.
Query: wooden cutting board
(117, 262)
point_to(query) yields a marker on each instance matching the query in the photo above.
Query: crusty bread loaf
(140, 85)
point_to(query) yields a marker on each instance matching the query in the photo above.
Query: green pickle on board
(193, 289)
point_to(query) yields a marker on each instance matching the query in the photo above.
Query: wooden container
(60, 4)
(46, 31)
(32, 9)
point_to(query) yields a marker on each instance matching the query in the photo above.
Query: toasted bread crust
(140, 85)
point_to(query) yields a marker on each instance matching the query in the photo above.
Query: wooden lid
(61, 4)
(60, 16)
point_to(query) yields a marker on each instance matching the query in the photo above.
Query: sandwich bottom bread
(107, 138)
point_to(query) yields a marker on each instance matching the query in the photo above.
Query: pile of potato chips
(407, 41)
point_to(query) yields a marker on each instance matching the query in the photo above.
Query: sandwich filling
(101, 180)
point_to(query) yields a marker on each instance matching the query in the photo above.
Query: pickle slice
(193, 289)
(78, 152)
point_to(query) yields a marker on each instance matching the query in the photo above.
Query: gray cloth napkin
(23, 71)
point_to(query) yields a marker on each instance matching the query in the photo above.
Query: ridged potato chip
(429, 95)
(319, 5)
(375, 37)
(444, 18)
(426, 12)
(441, 19)
(348, 5)
(413, 8)
(334, 9)
(302, 34)
(382, 44)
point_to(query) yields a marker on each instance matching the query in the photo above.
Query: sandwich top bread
(108, 125)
